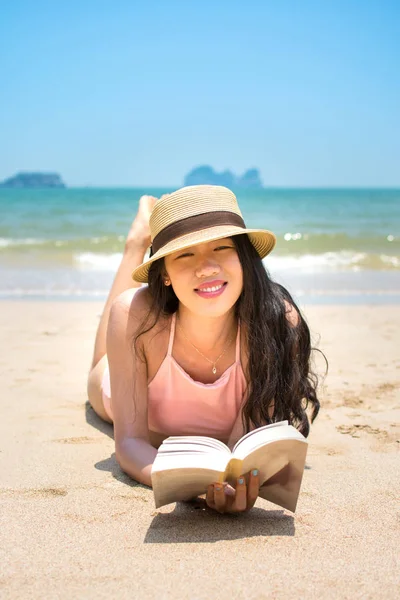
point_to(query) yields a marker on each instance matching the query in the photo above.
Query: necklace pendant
(214, 369)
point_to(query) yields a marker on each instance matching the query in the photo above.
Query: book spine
(233, 470)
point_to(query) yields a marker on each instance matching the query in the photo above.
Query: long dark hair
(279, 372)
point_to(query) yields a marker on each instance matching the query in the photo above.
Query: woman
(212, 346)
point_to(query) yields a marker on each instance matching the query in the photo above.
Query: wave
(306, 263)
(59, 293)
(297, 253)
(89, 261)
(78, 243)
(343, 260)
(14, 243)
(287, 243)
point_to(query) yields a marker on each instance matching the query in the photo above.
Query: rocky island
(34, 180)
(206, 175)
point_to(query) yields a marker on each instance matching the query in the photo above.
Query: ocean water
(333, 245)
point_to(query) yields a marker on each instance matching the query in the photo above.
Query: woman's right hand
(224, 498)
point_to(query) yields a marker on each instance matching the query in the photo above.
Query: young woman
(211, 346)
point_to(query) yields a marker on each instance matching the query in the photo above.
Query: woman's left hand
(224, 498)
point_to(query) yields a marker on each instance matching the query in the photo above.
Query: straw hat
(197, 214)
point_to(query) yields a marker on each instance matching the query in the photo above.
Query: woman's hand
(226, 499)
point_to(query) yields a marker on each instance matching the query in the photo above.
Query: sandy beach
(74, 526)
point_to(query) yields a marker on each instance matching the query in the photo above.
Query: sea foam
(304, 263)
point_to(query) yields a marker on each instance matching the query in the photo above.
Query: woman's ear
(165, 277)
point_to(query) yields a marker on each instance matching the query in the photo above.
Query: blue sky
(137, 93)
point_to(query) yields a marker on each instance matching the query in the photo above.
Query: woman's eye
(184, 255)
(223, 247)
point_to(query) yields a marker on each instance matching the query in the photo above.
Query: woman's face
(206, 278)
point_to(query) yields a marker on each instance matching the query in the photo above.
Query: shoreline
(303, 301)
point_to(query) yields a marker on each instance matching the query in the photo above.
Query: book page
(179, 484)
(264, 435)
(251, 433)
(284, 487)
(281, 466)
(194, 443)
(181, 475)
(166, 461)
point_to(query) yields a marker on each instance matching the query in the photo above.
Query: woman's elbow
(134, 460)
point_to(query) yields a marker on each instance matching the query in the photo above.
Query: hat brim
(262, 240)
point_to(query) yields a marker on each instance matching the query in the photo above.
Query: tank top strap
(237, 357)
(171, 334)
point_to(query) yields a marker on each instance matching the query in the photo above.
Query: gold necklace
(212, 362)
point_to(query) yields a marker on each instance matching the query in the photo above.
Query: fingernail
(218, 488)
(254, 472)
(241, 480)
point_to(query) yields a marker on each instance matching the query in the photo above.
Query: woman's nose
(206, 268)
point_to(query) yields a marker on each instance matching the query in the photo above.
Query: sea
(333, 245)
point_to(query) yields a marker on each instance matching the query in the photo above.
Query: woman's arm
(128, 378)
(136, 456)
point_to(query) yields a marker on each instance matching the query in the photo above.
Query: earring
(167, 282)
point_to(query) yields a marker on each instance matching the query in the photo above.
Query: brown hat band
(195, 223)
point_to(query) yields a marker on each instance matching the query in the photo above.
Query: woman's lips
(212, 289)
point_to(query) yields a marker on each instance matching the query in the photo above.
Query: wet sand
(73, 525)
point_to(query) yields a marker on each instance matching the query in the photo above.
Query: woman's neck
(204, 332)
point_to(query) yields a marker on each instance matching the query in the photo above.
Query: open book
(186, 465)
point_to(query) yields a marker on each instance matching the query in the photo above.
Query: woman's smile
(211, 289)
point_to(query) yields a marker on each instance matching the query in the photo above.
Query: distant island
(206, 175)
(198, 176)
(34, 180)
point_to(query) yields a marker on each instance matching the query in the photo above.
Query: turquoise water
(344, 243)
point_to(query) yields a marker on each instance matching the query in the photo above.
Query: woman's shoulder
(133, 308)
(137, 299)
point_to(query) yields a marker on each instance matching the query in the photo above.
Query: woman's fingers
(216, 496)
(219, 497)
(229, 490)
(253, 488)
(223, 498)
(240, 502)
(246, 494)
(210, 496)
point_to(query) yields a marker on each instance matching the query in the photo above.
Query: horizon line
(263, 188)
(395, 187)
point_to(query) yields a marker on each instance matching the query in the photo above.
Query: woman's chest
(197, 367)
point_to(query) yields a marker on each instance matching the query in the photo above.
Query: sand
(74, 526)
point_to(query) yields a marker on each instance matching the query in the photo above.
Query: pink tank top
(179, 405)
